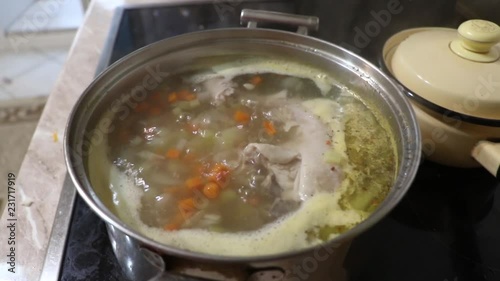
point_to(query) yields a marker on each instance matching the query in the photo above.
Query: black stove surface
(447, 227)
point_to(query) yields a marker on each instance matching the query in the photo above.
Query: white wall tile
(13, 64)
(69, 17)
(31, 55)
(4, 95)
(28, 42)
(37, 82)
(49, 15)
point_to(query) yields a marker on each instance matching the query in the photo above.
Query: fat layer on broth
(235, 161)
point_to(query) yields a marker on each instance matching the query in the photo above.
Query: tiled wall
(35, 46)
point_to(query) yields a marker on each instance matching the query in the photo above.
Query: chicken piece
(217, 89)
(271, 153)
(282, 164)
(298, 166)
(312, 136)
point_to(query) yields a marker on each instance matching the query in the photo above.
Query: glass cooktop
(447, 227)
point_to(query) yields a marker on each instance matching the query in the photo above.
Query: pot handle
(304, 23)
(488, 154)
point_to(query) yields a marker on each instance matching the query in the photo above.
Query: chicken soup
(252, 158)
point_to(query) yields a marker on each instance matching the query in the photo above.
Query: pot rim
(383, 64)
(405, 176)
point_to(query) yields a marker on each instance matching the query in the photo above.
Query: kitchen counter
(40, 180)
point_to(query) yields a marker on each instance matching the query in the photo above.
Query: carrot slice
(173, 153)
(187, 213)
(219, 174)
(256, 80)
(187, 207)
(241, 117)
(211, 190)
(187, 204)
(193, 183)
(269, 127)
(175, 224)
(172, 97)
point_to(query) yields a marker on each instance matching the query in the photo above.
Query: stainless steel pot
(143, 258)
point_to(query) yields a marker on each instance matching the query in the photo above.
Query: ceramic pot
(452, 78)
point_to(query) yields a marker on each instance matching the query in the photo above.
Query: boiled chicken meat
(298, 166)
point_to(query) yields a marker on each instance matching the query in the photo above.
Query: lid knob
(476, 41)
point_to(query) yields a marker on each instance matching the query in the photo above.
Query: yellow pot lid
(456, 70)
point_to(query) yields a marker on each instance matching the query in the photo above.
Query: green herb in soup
(230, 161)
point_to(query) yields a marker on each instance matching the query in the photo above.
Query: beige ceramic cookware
(453, 80)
